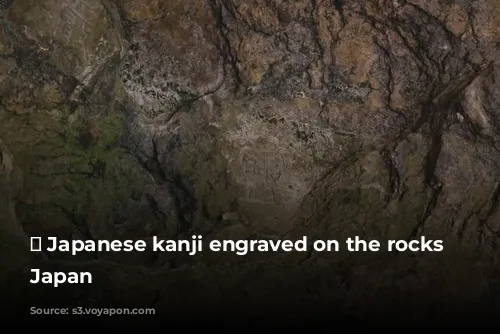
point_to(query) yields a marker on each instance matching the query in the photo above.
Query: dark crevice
(394, 174)
(185, 205)
(432, 201)
(157, 212)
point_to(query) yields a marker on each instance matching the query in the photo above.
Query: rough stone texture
(254, 119)
(78, 36)
(173, 59)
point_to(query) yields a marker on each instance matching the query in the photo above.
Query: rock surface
(239, 119)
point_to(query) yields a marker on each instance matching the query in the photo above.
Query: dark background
(258, 119)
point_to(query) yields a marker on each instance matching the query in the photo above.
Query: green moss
(63, 161)
(110, 129)
(204, 167)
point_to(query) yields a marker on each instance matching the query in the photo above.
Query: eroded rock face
(252, 119)
(78, 36)
(14, 242)
(173, 59)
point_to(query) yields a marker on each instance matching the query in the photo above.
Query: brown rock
(358, 120)
(354, 52)
(255, 56)
(293, 10)
(22, 89)
(325, 119)
(329, 22)
(486, 20)
(174, 57)
(457, 20)
(140, 10)
(78, 36)
(260, 16)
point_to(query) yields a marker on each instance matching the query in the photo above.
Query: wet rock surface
(234, 119)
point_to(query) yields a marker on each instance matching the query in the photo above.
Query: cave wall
(234, 119)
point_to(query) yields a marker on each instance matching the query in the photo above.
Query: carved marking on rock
(74, 12)
(265, 169)
(268, 165)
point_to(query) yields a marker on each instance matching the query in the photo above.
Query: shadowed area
(258, 119)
